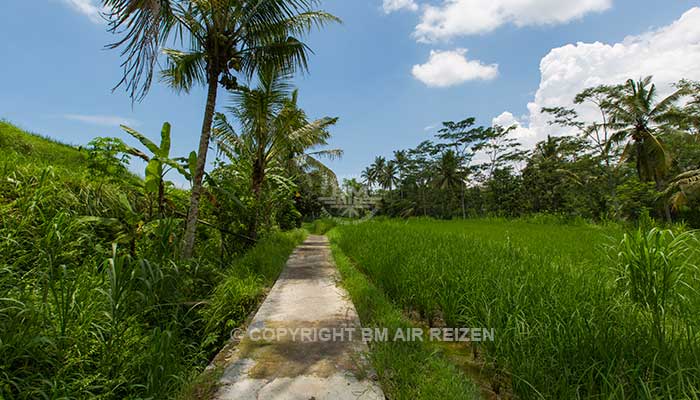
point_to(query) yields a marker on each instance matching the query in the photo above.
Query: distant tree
(448, 177)
(501, 149)
(377, 169)
(401, 160)
(368, 177)
(463, 138)
(388, 175)
(640, 120)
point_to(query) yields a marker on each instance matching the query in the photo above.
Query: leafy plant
(653, 269)
(158, 164)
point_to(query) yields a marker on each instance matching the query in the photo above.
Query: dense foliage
(94, 299)
(217, 43)
(641, 155)
(574, 318)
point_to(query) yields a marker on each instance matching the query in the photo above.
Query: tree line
(641, 155)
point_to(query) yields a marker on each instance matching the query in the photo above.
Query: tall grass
(564, 328)
(94, 302)
(406, 370)
(656, 271)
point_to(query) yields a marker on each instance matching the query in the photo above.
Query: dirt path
(288, 351)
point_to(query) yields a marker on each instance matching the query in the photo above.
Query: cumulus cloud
(451, 67)
(89, 8)
(507, 120)
(390, 6)
(669, 54)
(467, 17)
(103, 120)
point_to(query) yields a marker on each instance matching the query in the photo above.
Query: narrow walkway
(286, 352)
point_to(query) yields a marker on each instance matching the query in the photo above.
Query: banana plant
(683, 189)
(160, 163)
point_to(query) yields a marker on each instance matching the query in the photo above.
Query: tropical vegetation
(641, 155)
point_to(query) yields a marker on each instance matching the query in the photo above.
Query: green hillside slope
(94, 300)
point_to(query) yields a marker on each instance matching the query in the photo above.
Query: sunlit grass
(564, 329)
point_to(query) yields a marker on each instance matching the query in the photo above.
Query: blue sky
(57, 78)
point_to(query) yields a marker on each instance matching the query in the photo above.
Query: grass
(39, 149)
(244, 285)
(564, 326)
(94, 302)
(406, 370)
(320, 226)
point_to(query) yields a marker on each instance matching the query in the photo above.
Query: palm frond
(184, 69)
(143, 26)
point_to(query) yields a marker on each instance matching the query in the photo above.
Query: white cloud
(396, 5)
(449, 68)
(507, 119)
(88, 8)
(669, 54)
(103, 120)
(467, 17)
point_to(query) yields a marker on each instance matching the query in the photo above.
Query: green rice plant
(406, 370)
(563, 327)
(655, 270)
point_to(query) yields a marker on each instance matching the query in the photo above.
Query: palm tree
(401, 160)
(388, 177)
(377, 169)
(274, 131)
(225, 39)
(641, 121)
(447, 175)
(368, 177)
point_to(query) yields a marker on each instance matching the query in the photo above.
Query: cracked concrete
(290, 366)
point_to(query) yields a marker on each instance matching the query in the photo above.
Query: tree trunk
(464, 208)
(257, 182)
(667, 207)
(193, 214)
(161, 197)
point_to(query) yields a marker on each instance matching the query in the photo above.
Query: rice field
(575, 315)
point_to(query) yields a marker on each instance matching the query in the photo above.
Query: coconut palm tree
(274, 131)
(640, 120)
(447, 171)
(388, 175)
(368, 177)
(401, 160)
(377, 169)
(222, 39)
(447, 176)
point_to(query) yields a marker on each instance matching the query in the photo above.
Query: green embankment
(80, 318)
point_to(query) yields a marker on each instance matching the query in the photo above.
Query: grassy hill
(19, 146)
(94, 300)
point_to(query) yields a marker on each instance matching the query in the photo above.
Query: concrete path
(304, 343)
